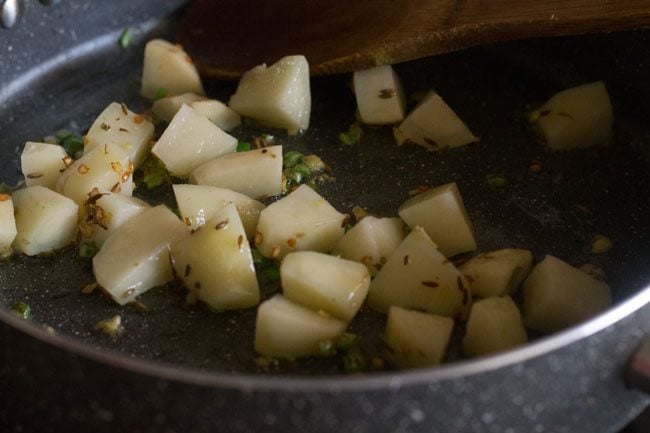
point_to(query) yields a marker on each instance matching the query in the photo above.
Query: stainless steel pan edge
(51, 383)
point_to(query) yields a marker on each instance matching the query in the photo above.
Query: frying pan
(181, 368)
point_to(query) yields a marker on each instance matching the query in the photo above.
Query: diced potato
(557, 295)
(284, 329)
(578, 117)
(191, 140)
(278, 96)
(323, 282)
(215, 263)
(119, 126)
(199, 203)
(417, 339)
(218, 113)
(135, 257)
(303, 220)
(371, 241)
(418, 276)
(256, 173)
(107, 168)
(109, 212)
(441, 213)
(45, 220)
(168, 70)
(7, 224)
(434, 125)
(494, 325)
(42, 163)
(497, 273)
(379, 94)
(166, 108)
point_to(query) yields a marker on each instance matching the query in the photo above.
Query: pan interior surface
(558, 210)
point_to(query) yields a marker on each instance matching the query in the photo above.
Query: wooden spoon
(227, 37)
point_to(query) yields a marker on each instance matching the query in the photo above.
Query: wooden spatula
(227, 37)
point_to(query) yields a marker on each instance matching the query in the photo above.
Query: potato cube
(284, 329)
(417, 339)
(497, 273)
(215, 263)
(441, 213)
(119, 126)
(42, 163)
(494, 325)
(7, 224)
(107, 168)
(45, 220)
(371, 241)
(557, 295)
(278, 96)
(434, 125)
(303, 220)
(191, 140)
(109, 212)
(168, 70)
(135, 257)
(323, 282)
(199, 203)
(577, 117)
(418, 276)
(256, 173)
(218, 113)
(166, 108)
(379, 94)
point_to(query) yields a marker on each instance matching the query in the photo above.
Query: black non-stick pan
(185, 368)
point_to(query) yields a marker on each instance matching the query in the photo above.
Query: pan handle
(638, 368)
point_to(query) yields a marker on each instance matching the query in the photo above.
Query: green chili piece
(292, 158)
(271, 273)
(87, 249)
(351, 136)
(154, 172)
(496, 180)
(160, 93)
(125, 38)
(22, 309)
(243, 146)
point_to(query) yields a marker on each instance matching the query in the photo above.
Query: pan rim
(247, 382)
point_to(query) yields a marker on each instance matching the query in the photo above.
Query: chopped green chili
(352, 135)
(125, 38)
(160, 93)
(22, 309)
(243, 146)
(351, 357)
(154, 172)
(87, 249)
(292, 158)
(496, 180)
(267, 269)
(72, 144)
(601, 244)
